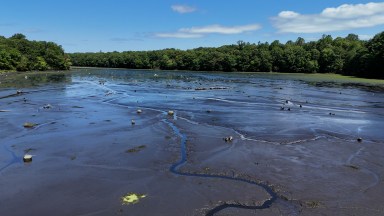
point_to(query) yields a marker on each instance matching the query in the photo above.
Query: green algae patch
(132, 198)
(136, 149)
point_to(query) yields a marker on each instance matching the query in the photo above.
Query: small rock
(171, 113)
(47, 106)
(300, 106)
(29, 125)
(228, 139)
(139, 111)
(282, 108)
(133, 122)
(359, 139)
(27, 158)
(289, 109)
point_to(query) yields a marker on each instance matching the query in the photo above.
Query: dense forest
(348, 56)
(18, 53)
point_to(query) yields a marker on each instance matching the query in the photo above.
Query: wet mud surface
(294, 147)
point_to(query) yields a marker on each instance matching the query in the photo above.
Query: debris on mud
(132, 198)
(228, 139)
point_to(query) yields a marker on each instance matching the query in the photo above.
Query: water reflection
(33, 79)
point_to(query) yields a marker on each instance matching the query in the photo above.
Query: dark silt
(235, 144)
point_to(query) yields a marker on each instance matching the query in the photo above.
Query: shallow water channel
(236, 144)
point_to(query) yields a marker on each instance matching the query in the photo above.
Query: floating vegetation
(136, 149)
(132, 198)
(29, 125)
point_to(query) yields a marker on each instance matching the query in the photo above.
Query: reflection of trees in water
(33, 79)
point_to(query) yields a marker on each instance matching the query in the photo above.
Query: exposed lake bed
(294, 144)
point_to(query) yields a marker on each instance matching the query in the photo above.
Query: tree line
(347, 56)
(19, 54)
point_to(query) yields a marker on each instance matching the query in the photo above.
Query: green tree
(375, 48)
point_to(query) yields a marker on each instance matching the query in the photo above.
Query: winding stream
(183, 159)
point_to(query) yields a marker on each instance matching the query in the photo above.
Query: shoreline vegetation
(19, 54)
(348, 56)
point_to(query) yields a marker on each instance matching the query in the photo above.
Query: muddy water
(294, 148)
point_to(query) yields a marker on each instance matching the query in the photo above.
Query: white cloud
(344, 17)
(183, 9)
(288, 14)
(197, 32)
(218, 29)
(352, 11)
(365, 37)
(177, 35)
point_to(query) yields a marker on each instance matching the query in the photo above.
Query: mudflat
(235, 144)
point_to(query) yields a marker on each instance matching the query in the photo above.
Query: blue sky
(123, 25)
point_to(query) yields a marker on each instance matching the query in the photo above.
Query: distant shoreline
(327, 77)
